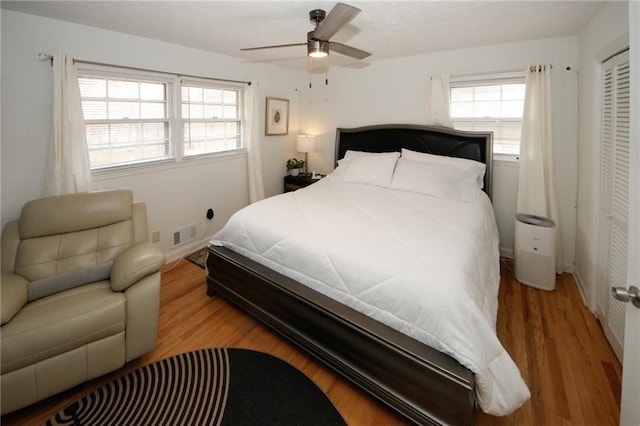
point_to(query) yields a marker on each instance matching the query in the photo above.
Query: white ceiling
(387, 29)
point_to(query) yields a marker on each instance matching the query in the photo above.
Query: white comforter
(425, 266)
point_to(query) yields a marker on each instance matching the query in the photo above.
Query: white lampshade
(305, 143)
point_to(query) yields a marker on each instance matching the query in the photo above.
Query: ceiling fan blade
(348, 50)
(274, 46)
(340, 15)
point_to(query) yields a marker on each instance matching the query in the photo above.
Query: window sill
(159, 166)
(506, 158)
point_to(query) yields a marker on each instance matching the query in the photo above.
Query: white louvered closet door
(614, 197)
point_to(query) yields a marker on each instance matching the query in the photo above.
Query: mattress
(425, 266)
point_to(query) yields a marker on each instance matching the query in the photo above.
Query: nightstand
(292, 183)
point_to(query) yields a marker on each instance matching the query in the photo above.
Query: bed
(427, 360)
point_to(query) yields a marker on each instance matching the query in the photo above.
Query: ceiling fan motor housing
(316, 16)
(315, 47)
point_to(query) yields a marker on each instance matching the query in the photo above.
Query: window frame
(241, 119)
(176, 155)
(489, 79)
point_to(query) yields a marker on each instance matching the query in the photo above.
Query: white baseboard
(582, 289)
(506, 252)
(187, 249)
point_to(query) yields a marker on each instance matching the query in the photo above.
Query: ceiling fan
(318, 43)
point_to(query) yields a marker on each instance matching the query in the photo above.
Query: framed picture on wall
(277, 117)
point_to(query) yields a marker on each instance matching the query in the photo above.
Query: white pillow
(337, 172)
(365, 170)
(368, 168)
(470, 166)
(437, 180)
(350, 154)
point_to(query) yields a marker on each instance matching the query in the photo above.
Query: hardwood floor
(559, 346)
(556, 342)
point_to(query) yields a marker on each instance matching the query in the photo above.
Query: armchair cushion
(14, 295)
(61, 282)
(134, 264)
(62, 322)
(74, 212)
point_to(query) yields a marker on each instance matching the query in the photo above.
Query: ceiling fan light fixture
(318, 48)
(326, 25)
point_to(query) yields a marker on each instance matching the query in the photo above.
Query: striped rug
(206, 387)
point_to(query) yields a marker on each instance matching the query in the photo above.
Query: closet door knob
(627, 295)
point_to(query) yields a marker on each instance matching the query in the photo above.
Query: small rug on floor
(207, 387)
(199, 257)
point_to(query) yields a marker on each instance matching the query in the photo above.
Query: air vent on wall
(184, 235)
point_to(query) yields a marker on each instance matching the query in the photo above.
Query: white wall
(383, 92)
(604, 35)
(396, 91)
(175, 196)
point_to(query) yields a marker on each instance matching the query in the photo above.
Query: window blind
(492, 102)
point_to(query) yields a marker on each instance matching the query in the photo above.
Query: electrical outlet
(155, 236)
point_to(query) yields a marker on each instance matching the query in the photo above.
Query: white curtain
(68, 168)
(536, 188)
(439, 101)
(254, 158)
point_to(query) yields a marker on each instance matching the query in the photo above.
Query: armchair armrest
(134, 264)
(14, 294)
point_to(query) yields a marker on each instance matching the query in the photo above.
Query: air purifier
(535, 251)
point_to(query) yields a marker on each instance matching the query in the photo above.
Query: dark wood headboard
(430, 139)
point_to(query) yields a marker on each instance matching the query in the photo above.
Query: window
(132, 119)
(494, 104)
(126, 121)
(211, 119)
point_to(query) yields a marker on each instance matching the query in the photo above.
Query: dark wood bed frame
(421, 383)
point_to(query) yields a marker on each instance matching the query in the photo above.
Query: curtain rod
(48, 57)
(477, 74)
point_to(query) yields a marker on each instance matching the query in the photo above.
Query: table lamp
(306, 144)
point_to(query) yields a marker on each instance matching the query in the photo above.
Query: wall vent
(184, 235)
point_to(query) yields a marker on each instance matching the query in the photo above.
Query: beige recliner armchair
(80, 293)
